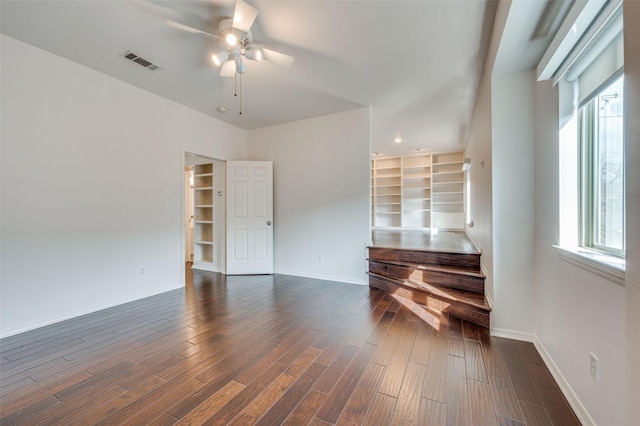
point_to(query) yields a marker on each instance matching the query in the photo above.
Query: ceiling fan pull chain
(235, 84)
(240, 94)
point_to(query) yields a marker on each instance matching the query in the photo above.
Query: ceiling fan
(236, 42)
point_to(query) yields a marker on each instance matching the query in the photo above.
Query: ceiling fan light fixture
(231, 39)
(253, 54)
(219, 57)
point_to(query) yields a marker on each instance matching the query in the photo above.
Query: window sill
(606, 266)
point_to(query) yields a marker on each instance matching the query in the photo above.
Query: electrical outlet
(594, 367)
(141, 271)
(321, 259)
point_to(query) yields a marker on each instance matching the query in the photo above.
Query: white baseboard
(81, 312)
(566, 389)
(511, 334)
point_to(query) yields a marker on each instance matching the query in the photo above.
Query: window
(602, 171)
(587, 65)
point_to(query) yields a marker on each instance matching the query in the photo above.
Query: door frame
(183, 216)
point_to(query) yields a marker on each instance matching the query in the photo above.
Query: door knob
(268, 222)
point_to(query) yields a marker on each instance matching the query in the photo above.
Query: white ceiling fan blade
(243, 16)
(277, 58)
(228, 68)
(191, 30)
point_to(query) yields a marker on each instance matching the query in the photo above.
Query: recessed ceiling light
(375, 154)
(221, 109)
(419, 149)
(398, 139)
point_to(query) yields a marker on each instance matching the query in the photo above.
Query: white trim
(606, 266)
(514, 335)
(566, 389)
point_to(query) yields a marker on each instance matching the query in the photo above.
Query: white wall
(321, 194)
(219, 216)
(479, 151)
(513, 196)
(85, 163)
(576, 311)
(632, 143)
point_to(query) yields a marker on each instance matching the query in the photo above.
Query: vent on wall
(140, 61)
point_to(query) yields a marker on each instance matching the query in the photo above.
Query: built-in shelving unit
(387, 192)
(203, 209)
(418, 191)
(448, 191)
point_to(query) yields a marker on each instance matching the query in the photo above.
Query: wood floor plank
(275, 390)
(71, 411)
(285, 405)
(211, 405)
(475, 361)
(408, 401)
(97, 414)
(255, 388)
(306, 409)
(493, 358)
(552, 398)
(535, 414)
(519, 374)
(457, 395)
(243, 419)
(456, 342)
(420, 351)
(26, 398)
(431, 413)
(381, 410)
(153, 404)
(362, 397)
(481, 404)
(381, 328)
(504, 421)
(435, 376)
(330, 377)
(337, 399)
(392, 380)
(103, 378)
(504, 397)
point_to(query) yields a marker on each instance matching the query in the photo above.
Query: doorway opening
(204, 213)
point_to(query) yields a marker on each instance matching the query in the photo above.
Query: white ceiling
(416, 63)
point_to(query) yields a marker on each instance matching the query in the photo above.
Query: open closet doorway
(204, 203)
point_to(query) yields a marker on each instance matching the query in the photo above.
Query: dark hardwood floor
(273, 350)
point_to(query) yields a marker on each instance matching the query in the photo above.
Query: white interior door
(249, 217)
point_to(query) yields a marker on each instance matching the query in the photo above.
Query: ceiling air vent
(140, 61)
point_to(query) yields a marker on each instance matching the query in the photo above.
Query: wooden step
(454, 278)
(472, 307)
(462, 261)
